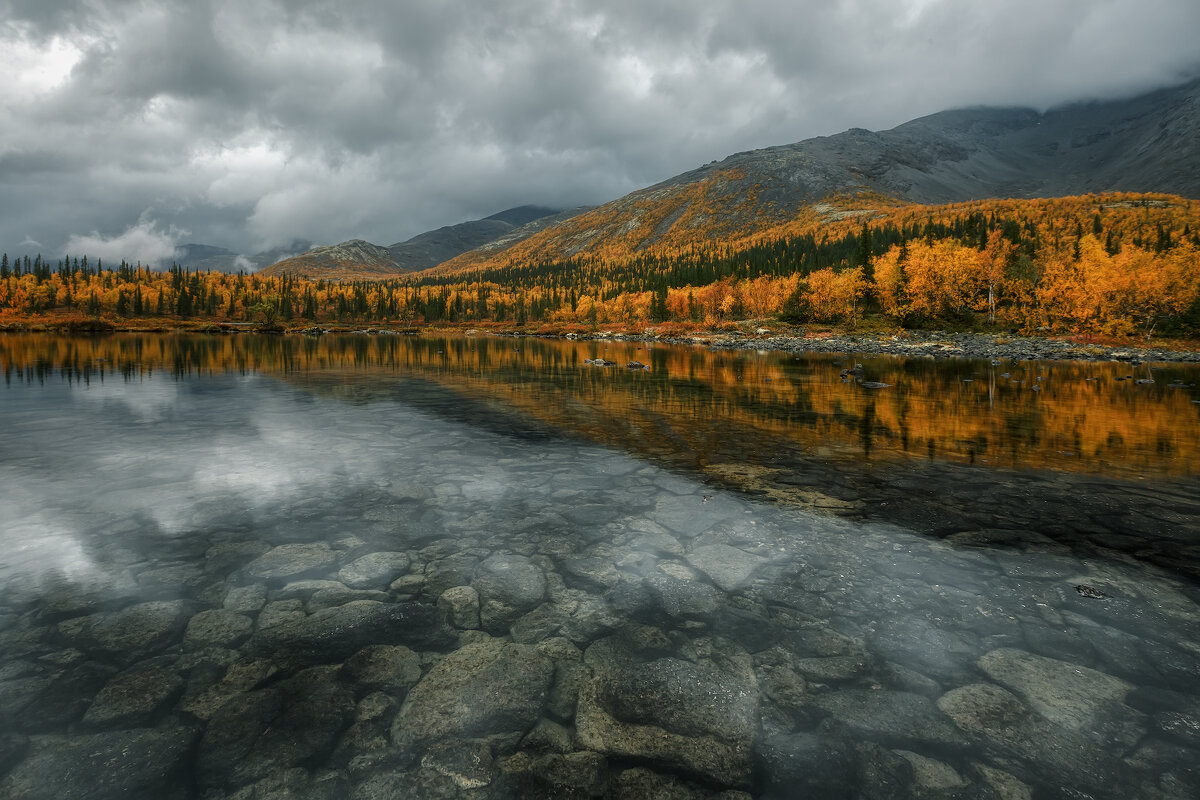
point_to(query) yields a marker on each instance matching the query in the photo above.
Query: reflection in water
(386, 567)
(1103, 418)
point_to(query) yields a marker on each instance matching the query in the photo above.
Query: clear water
(470, 567)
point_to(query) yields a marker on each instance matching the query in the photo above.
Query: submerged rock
(131, 634)
(289, 561)
(461, 605)
(217, 628)
(374, 571)
(283, 725)
(392, 668)
(508, 586)
(334, 634)
(488, 689)
(116, 765)
(133, 698)
(893, 718)
(675, 713)
(1064, 693)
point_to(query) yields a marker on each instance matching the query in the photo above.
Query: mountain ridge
(1146, 143)
(421, 252)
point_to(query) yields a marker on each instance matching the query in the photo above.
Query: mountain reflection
(713, 411)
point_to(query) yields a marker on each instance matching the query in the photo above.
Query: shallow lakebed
(383, 566)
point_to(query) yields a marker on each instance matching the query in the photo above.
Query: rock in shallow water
(128, 635)
(461, 604)
(281, 726)
(675, 713)
(291, 561)
(488, 689)
(1066, 694)
(508, 586)
(890, 717)
(133, 698)
(116, 765)
(374, 571)
(334, 634)
(217, 628)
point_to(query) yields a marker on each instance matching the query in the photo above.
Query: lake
(378, 566)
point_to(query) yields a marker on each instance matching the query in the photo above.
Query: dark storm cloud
(137, 125)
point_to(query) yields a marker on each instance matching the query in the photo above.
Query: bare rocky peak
(1148, 143)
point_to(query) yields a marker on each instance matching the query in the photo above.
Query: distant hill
(422, 251)
(1148, 143)
(208, 257)
(352, 260)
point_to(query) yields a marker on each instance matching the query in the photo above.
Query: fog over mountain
(131, 129)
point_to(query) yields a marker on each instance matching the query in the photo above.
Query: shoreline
(929, 344)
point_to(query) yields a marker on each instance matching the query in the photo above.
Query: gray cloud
(250, 123)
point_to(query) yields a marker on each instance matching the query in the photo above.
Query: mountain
(1148, 143)
(422, 251)
(355, 259)
(206, 257)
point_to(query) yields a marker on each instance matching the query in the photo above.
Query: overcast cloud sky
(130, 126)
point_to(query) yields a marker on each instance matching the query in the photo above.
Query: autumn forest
(1113, 264)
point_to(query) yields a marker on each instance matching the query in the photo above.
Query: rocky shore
(931, 344)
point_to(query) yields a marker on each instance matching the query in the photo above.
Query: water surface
(482, 567)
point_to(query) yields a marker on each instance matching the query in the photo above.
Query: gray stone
(834, 669)
(932, 778)
(467, 763)
(680, 593)
(409, 585)
(334, 634)
(131, 634)
(392, 668)
(487, 689)
(281, 726)
(116, 764)
(580, 774)
(997, 717)
(133, 698)
(894, 718)
(727, 567)
(280, 611)
(217, 628)
(305, 589)
(328, 598)
(1066, 694)
(240, 677)
(673, 713)
(375, 570)
(461, 605)
(1003, 784)
(246, 599)
(805, 765)
(508, 586)
(368, 734)
(291, 561)
(920, 645)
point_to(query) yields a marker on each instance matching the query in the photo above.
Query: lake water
(481, 567)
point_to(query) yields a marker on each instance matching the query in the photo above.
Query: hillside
(208, 257)
(425, 250)
(1149, 143)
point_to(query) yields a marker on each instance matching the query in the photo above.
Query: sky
(129, 127)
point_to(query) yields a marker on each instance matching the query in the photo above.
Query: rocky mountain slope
(355, 259)
(421, 252)
(206, 257)
(1148, 143)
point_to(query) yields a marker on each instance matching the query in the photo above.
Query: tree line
(1119, 264)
